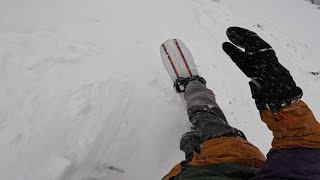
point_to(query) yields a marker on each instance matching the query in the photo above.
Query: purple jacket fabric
(293, 163)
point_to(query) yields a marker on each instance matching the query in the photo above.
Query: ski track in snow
(84, 95)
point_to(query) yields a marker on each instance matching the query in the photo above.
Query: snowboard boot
(182, 82)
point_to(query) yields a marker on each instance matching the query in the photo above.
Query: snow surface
(84, 94)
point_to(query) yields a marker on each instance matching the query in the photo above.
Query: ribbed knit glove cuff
(275, 103)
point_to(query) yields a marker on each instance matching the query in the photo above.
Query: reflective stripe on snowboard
(183, 58)
(177, 59)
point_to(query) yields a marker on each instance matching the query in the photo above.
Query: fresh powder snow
(84, 94)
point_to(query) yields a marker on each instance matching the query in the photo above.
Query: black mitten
(271, 84)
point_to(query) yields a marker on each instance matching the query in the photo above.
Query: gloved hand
(271, 84)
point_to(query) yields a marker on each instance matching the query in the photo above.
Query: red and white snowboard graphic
(178, 60)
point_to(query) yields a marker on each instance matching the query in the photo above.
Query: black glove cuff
(275, 103)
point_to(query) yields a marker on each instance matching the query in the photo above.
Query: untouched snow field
(84, 94)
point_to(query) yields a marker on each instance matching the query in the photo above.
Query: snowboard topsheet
(177, 60)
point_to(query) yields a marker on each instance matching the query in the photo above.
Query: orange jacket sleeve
(296, 126)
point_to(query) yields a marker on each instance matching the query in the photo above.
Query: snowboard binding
(181, 83)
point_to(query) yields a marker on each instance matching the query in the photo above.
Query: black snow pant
(207, 118)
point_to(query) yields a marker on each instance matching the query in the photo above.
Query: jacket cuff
(294, 126)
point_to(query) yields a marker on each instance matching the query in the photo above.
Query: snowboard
(178, 61)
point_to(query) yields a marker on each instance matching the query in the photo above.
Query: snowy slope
(84, 95)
